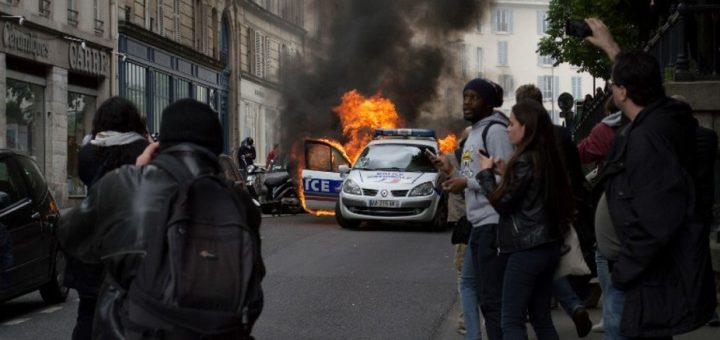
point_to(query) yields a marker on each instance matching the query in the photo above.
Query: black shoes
(581, 319)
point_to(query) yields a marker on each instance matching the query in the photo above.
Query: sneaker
(581, 319)
(461, 331)
(715, 321)
(598, 328)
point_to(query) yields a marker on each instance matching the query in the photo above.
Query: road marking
(50, 310)
(14, 322)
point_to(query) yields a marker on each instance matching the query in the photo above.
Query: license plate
(383, 203)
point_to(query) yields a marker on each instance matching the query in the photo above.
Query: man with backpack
(488, 133)
(656, 200)
(180, 243)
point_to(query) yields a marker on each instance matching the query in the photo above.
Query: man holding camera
(660, 265)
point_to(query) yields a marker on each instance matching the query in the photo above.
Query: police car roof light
(405, 132)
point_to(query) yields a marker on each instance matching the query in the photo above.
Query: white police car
(392, 180)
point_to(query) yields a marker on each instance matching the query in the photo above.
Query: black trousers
(86, 313)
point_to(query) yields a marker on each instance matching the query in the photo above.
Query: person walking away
(132, 222)
(661, 268)
(487, 133)
(117, 130)
(534, 218)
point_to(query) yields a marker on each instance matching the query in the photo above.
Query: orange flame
(448, 144)
(360, 116)
(297, 153)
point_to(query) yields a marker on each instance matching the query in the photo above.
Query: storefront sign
(15, 39)
(88, 60)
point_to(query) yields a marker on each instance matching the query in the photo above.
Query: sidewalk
(566, 329)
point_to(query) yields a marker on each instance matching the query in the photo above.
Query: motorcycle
(274, 189)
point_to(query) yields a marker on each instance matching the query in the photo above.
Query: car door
(23, 248)
(321, 178)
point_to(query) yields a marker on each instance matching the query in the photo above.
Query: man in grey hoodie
(488, 133)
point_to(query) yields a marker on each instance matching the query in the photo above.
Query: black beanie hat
(485, 90)
(190, 121)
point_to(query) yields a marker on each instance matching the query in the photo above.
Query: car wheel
(54, 292)
(344, 222)
(439, 221)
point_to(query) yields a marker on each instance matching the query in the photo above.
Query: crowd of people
(519, 204)
(640, 217)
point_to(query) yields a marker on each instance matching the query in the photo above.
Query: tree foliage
(615, 14)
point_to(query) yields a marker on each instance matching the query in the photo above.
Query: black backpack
(706, 144)
(201, 275)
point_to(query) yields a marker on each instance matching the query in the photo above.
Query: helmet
(249, 141)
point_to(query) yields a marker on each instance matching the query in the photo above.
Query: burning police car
(392, 180)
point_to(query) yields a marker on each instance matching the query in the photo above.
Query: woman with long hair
(535, 203)
(117, 139)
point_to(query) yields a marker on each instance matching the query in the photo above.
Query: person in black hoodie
(117, 140)
(659, 257)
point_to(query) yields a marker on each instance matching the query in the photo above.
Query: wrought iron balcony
(72, 17)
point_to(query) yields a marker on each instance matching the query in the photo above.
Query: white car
(392, 180)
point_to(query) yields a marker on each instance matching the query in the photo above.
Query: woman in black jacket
(117, 140)
(534, 200)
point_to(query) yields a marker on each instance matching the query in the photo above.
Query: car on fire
(393, 180)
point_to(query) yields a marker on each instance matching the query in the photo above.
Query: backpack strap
(175, 167)
(487, 130)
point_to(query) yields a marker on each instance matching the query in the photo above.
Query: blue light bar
(405, 132)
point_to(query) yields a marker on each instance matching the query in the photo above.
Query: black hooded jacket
(114, 223)
(664, 262)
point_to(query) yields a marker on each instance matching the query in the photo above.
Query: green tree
(616, 14)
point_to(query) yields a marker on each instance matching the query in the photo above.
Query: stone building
(269, 33)
(56, 66)
(174, 49)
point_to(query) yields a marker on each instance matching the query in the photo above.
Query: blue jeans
(527, 290)
(613, 301)
(566, 296)
(469, 298)
(490, 268)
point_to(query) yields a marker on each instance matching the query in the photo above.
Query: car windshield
(395, 157)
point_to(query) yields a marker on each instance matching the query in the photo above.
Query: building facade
(174, 49)
(502, 48)
(270, 33)
(56, 65)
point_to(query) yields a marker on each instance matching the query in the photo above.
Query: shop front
(52, 84)
(153, 76)
(259, 107)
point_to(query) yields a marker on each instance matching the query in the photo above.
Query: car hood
(392, 177)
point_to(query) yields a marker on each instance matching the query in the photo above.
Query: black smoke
(400, 48)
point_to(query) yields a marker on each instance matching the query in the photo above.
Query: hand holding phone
(430, 154)
(577, 28)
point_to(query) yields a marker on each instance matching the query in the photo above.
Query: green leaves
(576, 51)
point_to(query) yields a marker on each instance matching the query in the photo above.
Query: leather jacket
(118, 217)
(523, 224)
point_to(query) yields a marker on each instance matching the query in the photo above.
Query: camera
(577, 28)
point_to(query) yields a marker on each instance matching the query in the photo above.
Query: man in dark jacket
(662, 265)
(115, 222)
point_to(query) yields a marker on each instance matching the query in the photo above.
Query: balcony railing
(72, 17)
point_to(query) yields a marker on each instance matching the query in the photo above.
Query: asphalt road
(323, 282)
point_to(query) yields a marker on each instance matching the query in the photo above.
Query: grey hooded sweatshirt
(479, 210)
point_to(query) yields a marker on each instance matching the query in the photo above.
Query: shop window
(81, 108)
(161, 99)
(182, 90)
(135, 85)
(25, 128)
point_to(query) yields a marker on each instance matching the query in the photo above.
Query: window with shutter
(479, 62)
(545, 84)
(502, 53)
(251, 51)
(576, 87)
(160, 17)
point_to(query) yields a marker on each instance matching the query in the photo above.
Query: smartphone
(577, 28)
(484, 153)
(430, 154)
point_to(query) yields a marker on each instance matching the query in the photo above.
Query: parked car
(392, 180)
(30, 257)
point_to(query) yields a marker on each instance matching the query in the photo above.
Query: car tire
(439, 221)
(54, 292)
(344, 222)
